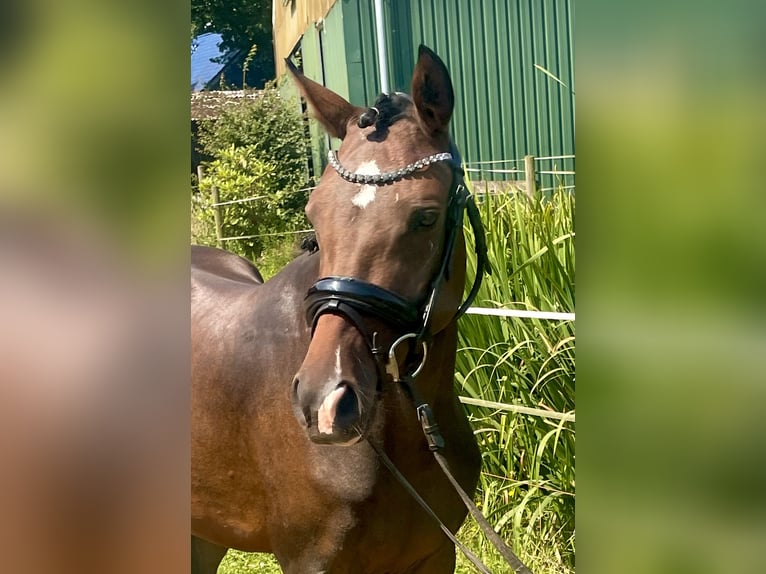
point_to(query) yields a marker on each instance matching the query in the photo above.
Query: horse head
(387, 214)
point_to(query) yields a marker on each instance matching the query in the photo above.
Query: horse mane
(385, 111)
(310, 243)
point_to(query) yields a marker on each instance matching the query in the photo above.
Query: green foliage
(236, 562)
(527, 486)
(241, 23)
(258, 149)
(277, 252)
(246, 64)
(268, 122)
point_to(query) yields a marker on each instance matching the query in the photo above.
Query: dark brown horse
(289, 386)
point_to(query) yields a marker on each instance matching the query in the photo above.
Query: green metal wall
(505, 107)
(361, 47)
(323, 51)
(341, 54)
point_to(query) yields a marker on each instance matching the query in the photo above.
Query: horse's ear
(332, 111)
(432, 92)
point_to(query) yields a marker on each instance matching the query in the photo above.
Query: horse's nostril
(348, 406)
(329, 409)
(296, 382)
(339, 410)
(302, 413)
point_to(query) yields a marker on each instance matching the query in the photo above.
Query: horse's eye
(424, 219)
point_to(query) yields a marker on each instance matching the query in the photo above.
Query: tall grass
(527, 485)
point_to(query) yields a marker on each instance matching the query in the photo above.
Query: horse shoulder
(248, 341)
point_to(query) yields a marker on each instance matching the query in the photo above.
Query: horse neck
(437, 383)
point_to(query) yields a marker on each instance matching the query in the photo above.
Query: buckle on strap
(431, 430)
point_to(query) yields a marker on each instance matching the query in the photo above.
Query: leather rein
(354, 299)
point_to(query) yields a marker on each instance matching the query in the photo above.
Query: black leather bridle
(356, 299)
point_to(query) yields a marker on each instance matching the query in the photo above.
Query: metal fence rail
(568, 417)
(521, 313)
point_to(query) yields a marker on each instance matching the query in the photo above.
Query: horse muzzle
(330, 415)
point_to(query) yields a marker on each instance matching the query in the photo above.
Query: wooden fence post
(529, 171)
(200, 175)
(216, 208)
(217, 215)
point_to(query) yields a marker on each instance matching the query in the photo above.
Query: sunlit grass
(236, 562)
(527, 485)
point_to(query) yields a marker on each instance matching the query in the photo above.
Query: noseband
(355, 299)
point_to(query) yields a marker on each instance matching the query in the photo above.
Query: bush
(259, 150)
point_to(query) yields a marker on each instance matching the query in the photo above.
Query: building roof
(204, 50)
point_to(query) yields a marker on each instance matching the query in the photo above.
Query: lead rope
(435, 442)
(502, 547)
(414, 493)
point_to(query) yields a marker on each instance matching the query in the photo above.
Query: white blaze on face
(366, 194)
(337, 364)
(326, 414)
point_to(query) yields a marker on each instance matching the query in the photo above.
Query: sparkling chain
(385, 178)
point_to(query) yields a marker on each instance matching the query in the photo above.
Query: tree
(242, 24)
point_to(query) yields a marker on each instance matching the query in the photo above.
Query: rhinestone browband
(385, 178)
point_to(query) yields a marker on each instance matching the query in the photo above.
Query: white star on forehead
(366, 194)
